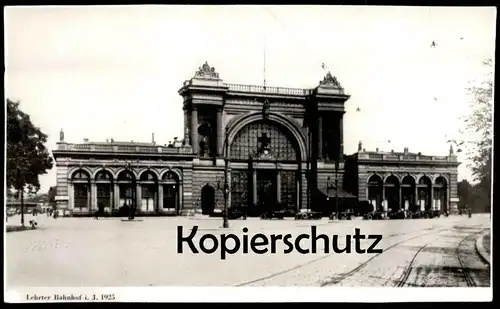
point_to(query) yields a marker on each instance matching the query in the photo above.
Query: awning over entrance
(341, 193)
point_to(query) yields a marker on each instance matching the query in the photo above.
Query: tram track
(402, 281)
(365, 263)
(406, 273)
(465, 270)
(352, 272)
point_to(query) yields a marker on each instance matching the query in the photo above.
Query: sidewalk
(483, 246)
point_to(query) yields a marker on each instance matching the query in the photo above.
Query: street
(111, 252)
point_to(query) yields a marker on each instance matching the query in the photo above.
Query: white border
(268, 294)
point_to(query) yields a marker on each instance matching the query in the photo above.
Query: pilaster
(160, 197)
(220, 132)
(194, 130)
(93, 196)
(320, 137)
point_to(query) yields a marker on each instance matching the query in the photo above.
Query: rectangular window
(239, 188)
(288, 189)
(81, 192)
(148, 191)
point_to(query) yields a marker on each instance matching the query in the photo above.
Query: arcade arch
(105, 189)
(392, 193)
(375, 191)
(424, 188)
(408, 192)
(127, 189)
(171, 192)
(148, 182)
(441, 193)
(80, 180)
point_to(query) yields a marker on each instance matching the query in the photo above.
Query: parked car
(273, 214)
(234, 213)
(344, 215)
(309, 215)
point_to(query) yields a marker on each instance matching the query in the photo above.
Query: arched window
(81, 175)
(148, 176)
(126, 176)
(103, 175)
(170, 177)
(104, 188)
(264, 139)
(81, 189)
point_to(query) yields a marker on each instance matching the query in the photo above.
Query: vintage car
(234, 213)
(427, 214)
(344, 215)
(273, 214)
(398, 214)
(375, 215)
(309, 215)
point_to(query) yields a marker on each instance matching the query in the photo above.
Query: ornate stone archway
(272, 149)
(288, 126)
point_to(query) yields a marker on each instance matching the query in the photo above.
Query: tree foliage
(52, 196)
(479, 125)
(27, 156)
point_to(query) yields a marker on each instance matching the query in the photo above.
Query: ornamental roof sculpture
(205, 71)
(330, 80)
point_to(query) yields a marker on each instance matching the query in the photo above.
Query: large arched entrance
(408, 192)
(424, 188)
(207, 200)
(81, 190)
(441, 194)
(392, 193)
(269, 178)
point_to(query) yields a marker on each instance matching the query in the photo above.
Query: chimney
(376, 149)
(85, 140)
(152, 138)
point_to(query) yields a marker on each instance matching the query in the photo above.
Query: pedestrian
(99, 212)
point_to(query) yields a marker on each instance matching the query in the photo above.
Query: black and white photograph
(170, 153)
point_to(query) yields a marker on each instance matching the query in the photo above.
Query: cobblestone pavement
(109, 252)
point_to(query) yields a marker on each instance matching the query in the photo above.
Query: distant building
(276, 138)
(16, 204)
(403, 179)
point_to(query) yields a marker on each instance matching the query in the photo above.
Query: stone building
(275, 137)
(405, 180)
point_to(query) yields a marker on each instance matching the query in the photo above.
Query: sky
(102, 72)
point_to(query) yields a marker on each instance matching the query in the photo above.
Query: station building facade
(283, 145)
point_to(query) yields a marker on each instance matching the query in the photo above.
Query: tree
(464, 189)
(27, 156)
(52, 197)
(478, 123)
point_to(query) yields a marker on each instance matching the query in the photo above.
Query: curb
(481, 250)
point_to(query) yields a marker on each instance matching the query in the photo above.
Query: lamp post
(225, 222)
(328, 187)
(337, 188)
